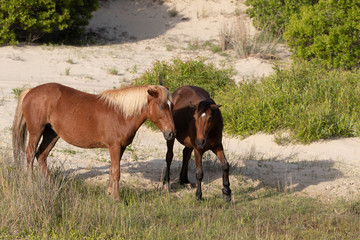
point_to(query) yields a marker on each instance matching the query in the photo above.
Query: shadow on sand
(283, 175)
(120, 21)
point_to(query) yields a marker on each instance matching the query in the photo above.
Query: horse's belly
(80, 136)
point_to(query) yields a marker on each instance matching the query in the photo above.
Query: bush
(193, 72)
(328, 31)
(274, 15)
(305, 99)
(23, 20)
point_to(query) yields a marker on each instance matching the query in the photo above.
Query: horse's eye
(161, 107)
(210, 119)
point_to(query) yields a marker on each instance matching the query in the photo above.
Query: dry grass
(67, 208)
(238, 36)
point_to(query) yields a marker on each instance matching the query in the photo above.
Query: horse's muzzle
(200, 143)
(169, 135)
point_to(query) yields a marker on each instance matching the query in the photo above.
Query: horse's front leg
(226, 191)
(199, 172)
(116, 153)
(184, 169)
(169, 157)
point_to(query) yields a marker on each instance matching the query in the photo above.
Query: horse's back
(70, 112)
(53, 92)
(49, 97)
(189, 95)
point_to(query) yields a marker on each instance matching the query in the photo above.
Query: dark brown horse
(108, 120)
(199, 124)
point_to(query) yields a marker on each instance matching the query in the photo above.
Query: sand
(131, 35)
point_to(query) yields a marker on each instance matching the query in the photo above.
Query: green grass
(68, 208)
(208, 45)
(67, 71)
(112, 71)
(70, 61)
(17, 91)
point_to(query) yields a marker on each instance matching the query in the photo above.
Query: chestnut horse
(198, 123)
(107, 120)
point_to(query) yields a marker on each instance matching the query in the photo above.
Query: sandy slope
(132, 35)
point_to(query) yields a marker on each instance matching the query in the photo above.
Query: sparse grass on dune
(68, 208)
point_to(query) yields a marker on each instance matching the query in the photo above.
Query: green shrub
(192, 72)
(274, 15)
(24, 20)
(305, 99)
(328, 31)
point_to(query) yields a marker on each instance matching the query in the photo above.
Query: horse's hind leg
(48, 142)
(184, 169)
(169, 158)
(34, 138)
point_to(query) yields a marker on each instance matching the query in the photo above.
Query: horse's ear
(153, 92)
(215, 106)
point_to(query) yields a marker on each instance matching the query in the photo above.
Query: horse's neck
(133, 124)
(138, 120)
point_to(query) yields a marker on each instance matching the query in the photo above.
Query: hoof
(199, 197)
(166, 187)
(226, 194)
(184, 182)
(227, 198)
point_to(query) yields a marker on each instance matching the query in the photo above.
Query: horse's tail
(19, 129)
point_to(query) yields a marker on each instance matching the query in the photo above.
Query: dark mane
(204, 105)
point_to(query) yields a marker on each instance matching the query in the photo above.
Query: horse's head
(160, 107)
(204, 116)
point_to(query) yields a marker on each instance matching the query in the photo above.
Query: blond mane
(131, 100)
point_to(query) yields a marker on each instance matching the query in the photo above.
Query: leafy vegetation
(274, 15)
(192, 72)
(309, 101)
(23, 20)
(328, 31)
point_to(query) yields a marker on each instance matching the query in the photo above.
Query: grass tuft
(112, 71)
(17, 91)
(238, 36)
(173, 12)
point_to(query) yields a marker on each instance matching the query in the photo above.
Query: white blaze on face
(203, 115)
